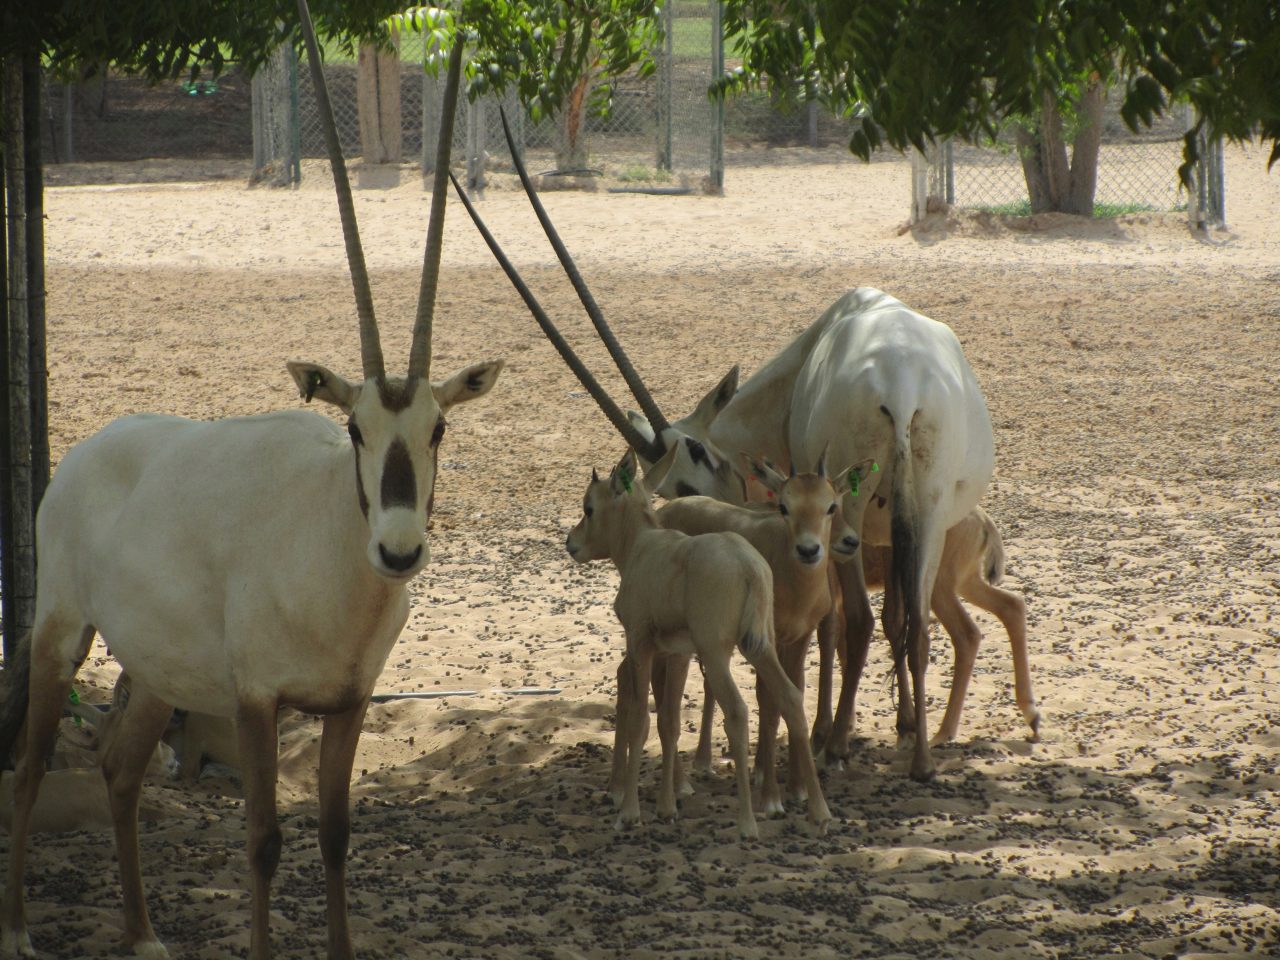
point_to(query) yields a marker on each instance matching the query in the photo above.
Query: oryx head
(395, 423)
(613, 505)
(810, 504)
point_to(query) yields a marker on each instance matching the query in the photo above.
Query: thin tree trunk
(21, 544)
(1085, 149)
(36, 296)
(8, 613)
(571, 148)
(1029, 152)
(378, 99)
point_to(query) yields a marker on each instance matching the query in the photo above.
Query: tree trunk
(1053, 183)
(378, 96)
(19, 548)
(1085, 150)
(571, 142)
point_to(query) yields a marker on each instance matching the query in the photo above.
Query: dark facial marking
(684, 490)
(364, 500)
(697, 452)
(474, 382)
(399, 486)
(438, 433)
(398, 394)
(356, 436)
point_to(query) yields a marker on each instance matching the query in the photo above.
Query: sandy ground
(1131, 371)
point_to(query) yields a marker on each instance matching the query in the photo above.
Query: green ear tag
(314, 382)
(853, 482)
(625, 478)
(75, 698)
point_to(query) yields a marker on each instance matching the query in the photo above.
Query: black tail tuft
(16, 683)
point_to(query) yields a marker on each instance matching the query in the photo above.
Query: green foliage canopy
(915, 70)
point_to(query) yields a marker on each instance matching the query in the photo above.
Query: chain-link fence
(1135, 172)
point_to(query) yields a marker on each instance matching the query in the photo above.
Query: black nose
(399, 561)
(808, 552)
(568, 545)
(849, 543)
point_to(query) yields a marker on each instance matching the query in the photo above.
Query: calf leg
(671, 679)
(618, 773)
(791, 704)
(633, 710)
(337, 753)
(56, 651)
(965, 638)
(259, 750)
(830, 632)
(858, 627)
(1012, 612)
(793, 656)
(766, 750)
(126, 750)
(735, 727)
(702, 759)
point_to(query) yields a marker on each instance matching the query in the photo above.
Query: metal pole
(717, 105)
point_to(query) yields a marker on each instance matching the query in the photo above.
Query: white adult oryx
(239, 566)
(871, 379)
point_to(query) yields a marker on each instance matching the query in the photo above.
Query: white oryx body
(236, 567)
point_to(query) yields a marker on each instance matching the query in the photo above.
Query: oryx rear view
(242, 565)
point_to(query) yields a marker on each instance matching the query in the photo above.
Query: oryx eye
(356, 437)
(438, 434)
(831, 509)
(587, 511)
(782, 509)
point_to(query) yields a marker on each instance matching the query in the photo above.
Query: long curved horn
(420, 351)
(638, 389)
(652, 451)
(370, 343)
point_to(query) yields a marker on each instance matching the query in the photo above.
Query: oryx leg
(892, 614)
(126, 751)
(256, 728)
(618, 772)
(337, 753)
(766, 776)
(830, 634)
(56, 651)
(965, 639)
(790, 703)
(859, 624)
(793, 657)
(917, 641)
(669, 677)
(1011, 610)
(633, 712)
(702, 758)
(726, 693)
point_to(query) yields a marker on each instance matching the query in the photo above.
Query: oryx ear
(658, 472)
(715, 401)
(765, 472)
(467, 384)
(625, 475)
(321, 383)
(641, 424)
(840, 482)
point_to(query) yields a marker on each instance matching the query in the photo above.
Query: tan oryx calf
(972, 566)
(683, 595)
(794, 533)
(238, 566)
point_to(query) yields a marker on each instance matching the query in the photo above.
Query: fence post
(665, 64)
(717, 104)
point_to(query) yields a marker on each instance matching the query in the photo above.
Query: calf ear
(764, 472)
(320, 383)
(467, 384)
(658, 472)
(709, 407)
(625, 475)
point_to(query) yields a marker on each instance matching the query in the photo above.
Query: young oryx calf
(792, 533)
(683, 595)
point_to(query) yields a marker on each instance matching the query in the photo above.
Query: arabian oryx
(680, 596)
(238, 566)
(871, 379)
